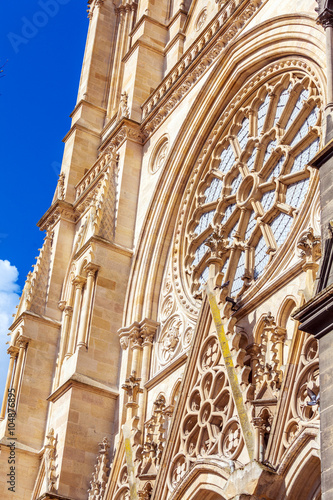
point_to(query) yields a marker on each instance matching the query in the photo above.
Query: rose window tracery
(255, 184)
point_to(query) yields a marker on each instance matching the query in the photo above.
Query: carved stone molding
(174, 87)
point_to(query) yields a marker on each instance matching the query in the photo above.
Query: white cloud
(9, 295)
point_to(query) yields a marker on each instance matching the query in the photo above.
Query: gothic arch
(302, 479)
(300, 49)
(285, 310)
(204, 480)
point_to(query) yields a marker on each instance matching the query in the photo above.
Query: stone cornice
(34, 317)
(5, 441)
(78, 126)
(125, 129)
(148, 19)
(142, 43)
(89, 104)
(85, 383)
(323, 155)
(210, 45)
(102, 241)
(59, 210)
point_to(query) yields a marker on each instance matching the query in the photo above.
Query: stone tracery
(209, 426)
(248, 200)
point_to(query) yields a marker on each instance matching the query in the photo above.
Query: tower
(155, 353)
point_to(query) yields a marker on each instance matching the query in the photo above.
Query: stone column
(78, 282)
(18, 369)
(68, 312)
(12, 351)
(136, 342)
(148, 329)
(86, 305)
(259, 427)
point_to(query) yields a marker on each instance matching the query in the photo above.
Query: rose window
(256, 185)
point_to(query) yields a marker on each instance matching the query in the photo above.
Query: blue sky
(43, 43)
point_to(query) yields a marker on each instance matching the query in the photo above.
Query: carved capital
(148, 329)
(12, 351)
(79, 282)
(135, 336)
(91, 269)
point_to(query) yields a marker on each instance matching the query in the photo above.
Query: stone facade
(156, 353)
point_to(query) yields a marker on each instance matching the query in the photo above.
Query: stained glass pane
(262, 112)
(305, 156)
(227, 213)
(238, 282)
(276, 170)
(284, 96)
(250, 161)
(309, 122)
(204, 277)
(243, 133)
(235, 184)
(227, 159)
(261, 257)
(213, 191)
(267, 200)
(280, 227)
(298, 106)
(296, 193)
(233, 230)
(199, 253)
(251, 225)
(225, 265)
(270, 148)
(204, 221)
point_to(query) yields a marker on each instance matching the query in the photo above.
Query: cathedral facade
(157, 350)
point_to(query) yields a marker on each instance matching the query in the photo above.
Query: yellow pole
(127, 432)
(231, 372)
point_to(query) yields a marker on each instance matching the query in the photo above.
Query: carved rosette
(176, 331)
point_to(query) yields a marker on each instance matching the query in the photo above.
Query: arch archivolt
(206, 120)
